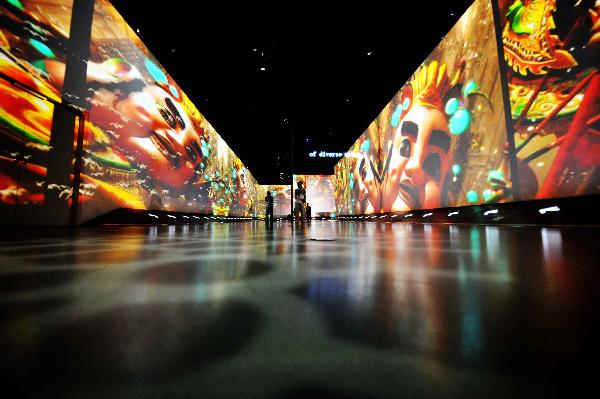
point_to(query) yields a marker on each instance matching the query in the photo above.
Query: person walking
(269, 205)
(300, 200)
(308, 212)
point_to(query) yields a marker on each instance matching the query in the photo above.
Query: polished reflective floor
(342, 309)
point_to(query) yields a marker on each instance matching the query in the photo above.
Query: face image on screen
(146, 145)
(442, 140)
(319, 193)
(551, 51)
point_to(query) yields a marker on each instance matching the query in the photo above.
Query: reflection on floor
(249, 310)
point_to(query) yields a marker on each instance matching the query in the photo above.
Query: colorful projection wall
(281, 199)
(551, 52)
(146, 145)
(319, 193)
(442, 141)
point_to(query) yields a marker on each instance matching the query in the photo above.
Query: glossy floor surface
(345, 310)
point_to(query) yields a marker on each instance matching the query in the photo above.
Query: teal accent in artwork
(459, 122)
(42, 48)
(472, 196)
(155, 71)
(452, 106)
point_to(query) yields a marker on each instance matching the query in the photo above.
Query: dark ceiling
(268, 75)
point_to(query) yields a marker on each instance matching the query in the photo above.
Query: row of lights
(203, 217)
(542, 211)
(315, 218)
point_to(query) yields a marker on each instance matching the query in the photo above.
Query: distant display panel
(281, 199)
(146, 145)
(442, 140)
(319, 193)
(551, 52)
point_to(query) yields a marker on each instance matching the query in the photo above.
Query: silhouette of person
(300, 196)
(269, 203)
(308, 212)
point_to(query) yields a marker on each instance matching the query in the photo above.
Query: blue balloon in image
(487, 195)
(456, 169)
(472, 196)
(469, 88)
(452, 106)
(460, 121)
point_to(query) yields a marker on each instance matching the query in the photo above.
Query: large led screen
(281, 199)
(551, 52)
(442, 140)
(26, 112)
(146, 145)
(319, 193)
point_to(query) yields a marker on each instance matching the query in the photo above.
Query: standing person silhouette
(300, 196)
(308, 212)
(269, 203)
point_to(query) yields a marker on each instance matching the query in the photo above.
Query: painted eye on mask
(175, 112)
(167, 116)
(405, 148)
(433, 165)
(362, 170)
